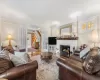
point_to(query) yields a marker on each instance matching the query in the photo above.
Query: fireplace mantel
(71, 38)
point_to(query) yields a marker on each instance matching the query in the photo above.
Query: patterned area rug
(47, 71)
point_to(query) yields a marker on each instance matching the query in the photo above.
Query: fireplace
(65, 50)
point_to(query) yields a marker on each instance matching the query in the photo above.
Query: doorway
(34, 42)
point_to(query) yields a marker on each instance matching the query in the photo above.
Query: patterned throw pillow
(92, 63)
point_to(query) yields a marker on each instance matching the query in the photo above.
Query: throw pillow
(92, 63)
(84, 52)
(4, 54)
(23, 55)
(17, 60)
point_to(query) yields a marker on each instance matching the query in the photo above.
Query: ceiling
(41, 12)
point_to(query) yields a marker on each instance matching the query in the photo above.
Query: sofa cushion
(5, 65)
(92, 63)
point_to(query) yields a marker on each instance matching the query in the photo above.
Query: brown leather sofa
(71, 69)
(22, 72)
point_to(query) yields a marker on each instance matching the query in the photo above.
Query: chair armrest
(20, 70)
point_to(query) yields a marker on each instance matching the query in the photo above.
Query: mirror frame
(66, 26)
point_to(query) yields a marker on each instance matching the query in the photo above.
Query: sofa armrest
(20, 70)
(70, 65)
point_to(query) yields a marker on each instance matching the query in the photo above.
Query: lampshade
(94, 36)
(9, 37)
(6, 43)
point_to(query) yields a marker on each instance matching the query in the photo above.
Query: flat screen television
(52, 40)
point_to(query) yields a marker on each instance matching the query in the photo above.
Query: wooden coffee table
(47, 56)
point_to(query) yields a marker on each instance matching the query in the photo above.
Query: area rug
(47, 71)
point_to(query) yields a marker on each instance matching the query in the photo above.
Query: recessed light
(75, 14)
(56, 23)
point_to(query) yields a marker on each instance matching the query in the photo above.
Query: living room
(49, 40)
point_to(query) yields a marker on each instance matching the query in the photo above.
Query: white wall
(85, 34)
(0, 33)
(17, 30)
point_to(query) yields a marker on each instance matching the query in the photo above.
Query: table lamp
(9, 41)
(9, 37)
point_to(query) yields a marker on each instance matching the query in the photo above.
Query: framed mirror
(66, 29)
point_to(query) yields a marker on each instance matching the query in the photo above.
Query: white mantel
(71, 43)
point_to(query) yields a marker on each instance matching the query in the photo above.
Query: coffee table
(47, 56)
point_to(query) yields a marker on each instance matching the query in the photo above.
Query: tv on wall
(52, 40)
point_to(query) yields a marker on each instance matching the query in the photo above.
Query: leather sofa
(71, 69)
(22, 72)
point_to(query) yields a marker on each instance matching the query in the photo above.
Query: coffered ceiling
(44, 11)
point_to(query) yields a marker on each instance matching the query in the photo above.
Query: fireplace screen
(65, 50)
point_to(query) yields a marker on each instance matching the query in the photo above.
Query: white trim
(0, 33)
